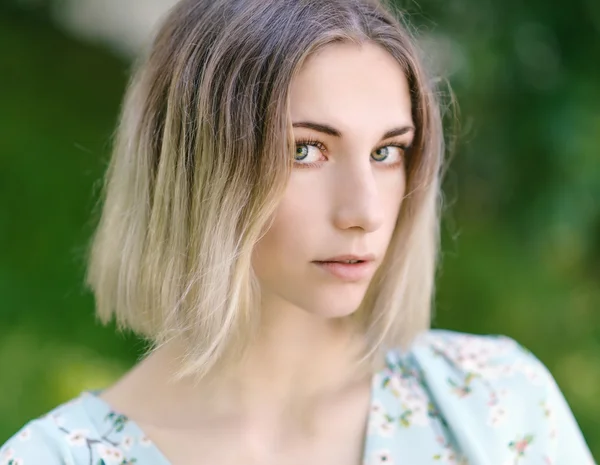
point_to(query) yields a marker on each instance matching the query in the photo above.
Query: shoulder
(492, 373)
(50, 438)
(461, 362)
(491, 359)
(82, 431)
(490, 390)
(39, 441)
(489, 378)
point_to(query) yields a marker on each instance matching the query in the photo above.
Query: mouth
(348, 268)
(349, 259)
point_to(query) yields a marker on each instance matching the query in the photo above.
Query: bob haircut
(201, 159)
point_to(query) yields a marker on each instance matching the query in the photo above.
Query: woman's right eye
(308, 152)
(301, 152)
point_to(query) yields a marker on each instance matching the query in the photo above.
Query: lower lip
(347, 271)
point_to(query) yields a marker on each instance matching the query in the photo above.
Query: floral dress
(454, 398)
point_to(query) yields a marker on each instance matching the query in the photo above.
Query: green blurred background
(521, 245)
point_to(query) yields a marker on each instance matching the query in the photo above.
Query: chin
(336, 304)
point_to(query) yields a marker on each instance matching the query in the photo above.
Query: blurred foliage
(521, 236)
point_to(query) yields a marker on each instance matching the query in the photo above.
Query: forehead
(350, 86)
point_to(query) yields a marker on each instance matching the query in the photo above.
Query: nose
(358, 203)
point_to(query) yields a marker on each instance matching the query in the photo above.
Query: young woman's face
(351, 111)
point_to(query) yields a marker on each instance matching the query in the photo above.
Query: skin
(296, 398)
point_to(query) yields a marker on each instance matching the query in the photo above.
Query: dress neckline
(91, 400)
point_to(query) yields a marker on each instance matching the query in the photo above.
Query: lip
(342, 258)
(350, 272)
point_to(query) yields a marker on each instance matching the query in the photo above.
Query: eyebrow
(326, 129)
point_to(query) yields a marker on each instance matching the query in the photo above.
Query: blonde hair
(201, 160)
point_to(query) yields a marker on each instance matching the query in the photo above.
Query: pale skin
(296, 398)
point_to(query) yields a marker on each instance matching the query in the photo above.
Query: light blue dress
(452, 399)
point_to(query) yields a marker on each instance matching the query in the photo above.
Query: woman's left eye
(394, 152)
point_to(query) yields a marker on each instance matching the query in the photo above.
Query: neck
(297, 363)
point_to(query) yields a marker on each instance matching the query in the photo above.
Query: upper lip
(343, 258)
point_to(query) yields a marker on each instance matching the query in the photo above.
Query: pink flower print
(470, 362)
(7, 454)
(77, 438)
(127, 442)
(24, 435)
(420, 416)
(385, 426)
(376, 418)
(417, 410)
(386, 429)
(532, 372)
(474, 354)
(377, 408)
(110, 454)
(506, 371)
(520, 445)
(447, 456)
(460, 390)
(58, 419)
(8, 458)
(497, 416)
(397, 387)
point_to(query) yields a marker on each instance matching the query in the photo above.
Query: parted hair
(200, 161)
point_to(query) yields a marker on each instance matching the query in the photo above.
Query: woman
(270, 224)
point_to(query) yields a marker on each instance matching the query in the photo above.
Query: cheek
(292, 240)
(392, 192)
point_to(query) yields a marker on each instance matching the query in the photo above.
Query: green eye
(301, 152)
(381, 153)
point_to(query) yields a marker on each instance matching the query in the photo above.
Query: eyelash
(322, 147)
(314, 142)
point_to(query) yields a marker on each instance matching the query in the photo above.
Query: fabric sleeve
(500, 403)
(571, 447)
(33, 445)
